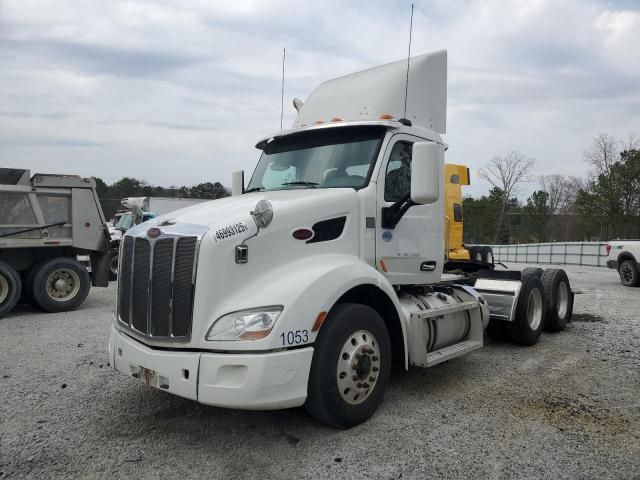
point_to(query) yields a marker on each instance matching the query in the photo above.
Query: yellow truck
(456, 251)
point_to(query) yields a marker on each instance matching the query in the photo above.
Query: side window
(55, 209)
(457, 212)
(397, 184)
(15, 209)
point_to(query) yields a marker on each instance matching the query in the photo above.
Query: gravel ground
(565, 408)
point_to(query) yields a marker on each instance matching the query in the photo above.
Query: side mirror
(425, 173)
(237, 183)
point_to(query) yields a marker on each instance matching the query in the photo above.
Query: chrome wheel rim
(4, 289)
(63, 284)
(534, 309)
(563, 300)
(358, 367)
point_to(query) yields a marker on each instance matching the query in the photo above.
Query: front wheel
(350, 367)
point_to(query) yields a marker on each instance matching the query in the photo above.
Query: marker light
(336, 119)
(251, 324)
(386, 116)
(319, 122)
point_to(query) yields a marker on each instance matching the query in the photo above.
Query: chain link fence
(562, 253)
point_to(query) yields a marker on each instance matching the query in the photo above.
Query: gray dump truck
(54, 243)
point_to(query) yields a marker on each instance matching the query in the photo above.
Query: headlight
(251, 324)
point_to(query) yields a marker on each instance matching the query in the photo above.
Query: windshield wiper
(305, 184)
(254, 189)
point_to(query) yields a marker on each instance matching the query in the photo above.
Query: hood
(289, 207)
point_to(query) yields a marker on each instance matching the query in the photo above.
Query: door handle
(429, 266)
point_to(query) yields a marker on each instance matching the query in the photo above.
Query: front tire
(60, 284)
(629, 275)
(350, 368)
(10, 288)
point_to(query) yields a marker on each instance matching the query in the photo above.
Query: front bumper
(612, 264)
(256, 381)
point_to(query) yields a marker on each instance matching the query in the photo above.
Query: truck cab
(305, 285)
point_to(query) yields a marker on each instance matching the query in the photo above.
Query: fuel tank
(441, 317)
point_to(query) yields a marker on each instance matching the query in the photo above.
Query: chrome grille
(156, 285)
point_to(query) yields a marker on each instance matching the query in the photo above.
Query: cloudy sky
(178, 92)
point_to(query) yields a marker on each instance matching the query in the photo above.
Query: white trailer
(303, 287)
(160, 205)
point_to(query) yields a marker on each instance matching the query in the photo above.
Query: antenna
(284, 56)
(406, 83)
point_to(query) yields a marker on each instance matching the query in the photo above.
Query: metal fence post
(581, 245)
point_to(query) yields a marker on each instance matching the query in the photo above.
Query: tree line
(110, 195)
(602, 206)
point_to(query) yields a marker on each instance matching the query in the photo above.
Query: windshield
(340, 157)
(125, 222)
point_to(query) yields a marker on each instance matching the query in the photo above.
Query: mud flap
(100, 269)
(501, 289)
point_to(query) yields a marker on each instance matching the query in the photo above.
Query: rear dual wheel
(530, 312)
(10, 288)
(58, 284)
(559, 299)
(350, 367)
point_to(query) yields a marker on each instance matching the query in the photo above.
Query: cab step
(455, 350)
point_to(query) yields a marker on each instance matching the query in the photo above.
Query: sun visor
(381, 90)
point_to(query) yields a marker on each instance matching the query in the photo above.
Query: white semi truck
(302, 288)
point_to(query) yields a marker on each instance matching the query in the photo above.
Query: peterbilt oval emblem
(154, 232)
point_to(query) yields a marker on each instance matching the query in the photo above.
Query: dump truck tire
(530, 312)
(559, 299)
(10, 288)
(60, 284)
(350, 367)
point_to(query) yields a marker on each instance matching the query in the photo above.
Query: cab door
(412, 251)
